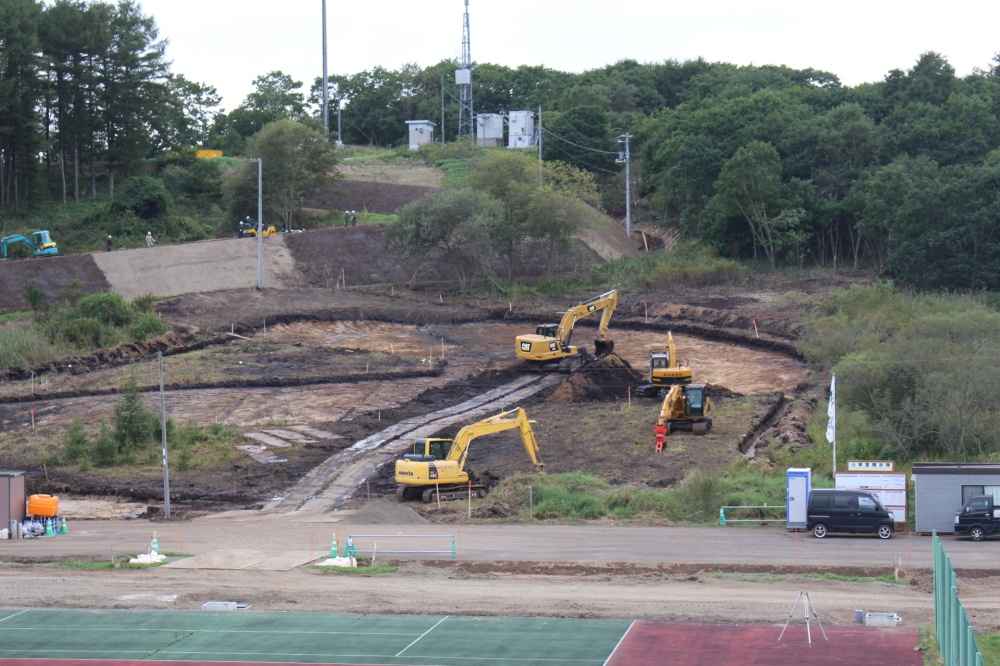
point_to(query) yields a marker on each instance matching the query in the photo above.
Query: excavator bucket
(661, 437)
(603, 347)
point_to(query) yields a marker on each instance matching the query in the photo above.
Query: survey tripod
(809, 611)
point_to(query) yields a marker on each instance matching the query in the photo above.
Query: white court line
(15, 615)
(618, 645)
(398, 654)
(215, 631)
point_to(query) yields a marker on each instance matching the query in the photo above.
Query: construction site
(345, 358)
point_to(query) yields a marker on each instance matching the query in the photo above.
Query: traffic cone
(62, 528)
(154, 547)
(333, 547)
(48, 527)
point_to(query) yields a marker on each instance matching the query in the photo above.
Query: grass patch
(855, 579)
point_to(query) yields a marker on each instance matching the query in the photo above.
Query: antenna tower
(463, 77)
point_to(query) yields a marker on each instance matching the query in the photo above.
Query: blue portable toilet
(798, 485)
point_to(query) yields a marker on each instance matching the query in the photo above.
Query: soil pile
(606, 379)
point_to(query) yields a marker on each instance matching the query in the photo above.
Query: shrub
(135, 425)
(35, 296)
(147, 325)
(75, 443)
(143, 196)
(108, 308)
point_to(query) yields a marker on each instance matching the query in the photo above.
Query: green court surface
(345, 638)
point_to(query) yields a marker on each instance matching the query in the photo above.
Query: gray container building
(940, 489)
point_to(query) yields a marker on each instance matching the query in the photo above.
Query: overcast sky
(228, 43)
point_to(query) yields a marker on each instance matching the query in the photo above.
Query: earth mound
(608, 378)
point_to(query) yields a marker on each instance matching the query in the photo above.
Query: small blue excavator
(40, 244)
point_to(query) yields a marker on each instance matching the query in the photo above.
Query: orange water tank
(45, 506)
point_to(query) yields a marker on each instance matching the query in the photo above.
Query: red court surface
(714, 644)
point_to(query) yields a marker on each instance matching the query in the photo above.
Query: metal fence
(954, 633)
(399, 543)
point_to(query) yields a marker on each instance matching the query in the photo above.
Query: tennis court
(70, 637)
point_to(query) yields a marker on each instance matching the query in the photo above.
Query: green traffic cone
(333, 547)
(62, 528)
(154, 547)
(48, 527)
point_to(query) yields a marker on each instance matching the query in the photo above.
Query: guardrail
(723, 519)
(398, 538)
(954, 632)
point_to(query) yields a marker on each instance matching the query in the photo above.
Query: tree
(750, 186)
(553, 218)
(275, 97)
(296, 159)
(20, 93)
(373, 113)
(583, 138)
(461, 223)
(191, 112)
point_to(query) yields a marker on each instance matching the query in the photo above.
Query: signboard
(870, 466)
(888, 487)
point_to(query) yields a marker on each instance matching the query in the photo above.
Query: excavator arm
(504, 421)
(550, 345)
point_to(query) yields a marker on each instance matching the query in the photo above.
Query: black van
(847, 511)
(979, 517)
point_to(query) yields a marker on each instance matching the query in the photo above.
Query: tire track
(333, 481)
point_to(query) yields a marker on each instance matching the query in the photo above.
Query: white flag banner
(831, 411)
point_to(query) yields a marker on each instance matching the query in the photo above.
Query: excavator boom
(550, 345)
(437, 466)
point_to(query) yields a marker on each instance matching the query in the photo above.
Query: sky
(228, 43)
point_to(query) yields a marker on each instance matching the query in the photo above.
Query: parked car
(978, 518)
(853, 511)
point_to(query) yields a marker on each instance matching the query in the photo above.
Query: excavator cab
(427, 450)
(694, 398)
(43, 241)
(547, 330)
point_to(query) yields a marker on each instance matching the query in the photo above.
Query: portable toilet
(798, 484)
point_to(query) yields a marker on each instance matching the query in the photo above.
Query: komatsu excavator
(437, 466)
(549, 348)
(684, 407)
(664, 371)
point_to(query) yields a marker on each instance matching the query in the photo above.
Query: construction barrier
(379, 540)
(954, 633)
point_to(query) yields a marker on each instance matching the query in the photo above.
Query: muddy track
(331, 483)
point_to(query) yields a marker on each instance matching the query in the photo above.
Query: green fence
(954, 633)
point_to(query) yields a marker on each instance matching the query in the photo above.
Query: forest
(787, 167)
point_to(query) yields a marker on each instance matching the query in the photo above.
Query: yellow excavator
(265, 231)
(437, 466)
(664, 371)
(549, 348)
(684, 407)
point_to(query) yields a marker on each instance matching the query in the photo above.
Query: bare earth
(337, 365)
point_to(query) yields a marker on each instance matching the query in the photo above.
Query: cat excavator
(40, 244)
(549, 348)
(437, 466)
(664, 371)
(684, 407)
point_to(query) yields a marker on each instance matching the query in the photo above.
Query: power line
(595, 150)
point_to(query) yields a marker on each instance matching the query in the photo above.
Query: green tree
(462, 225)
(275, 97)
(373, 113)
(582, 137)
(553, 219)
(20, 94)
(134, 424)
(749, 187)
(295, 159)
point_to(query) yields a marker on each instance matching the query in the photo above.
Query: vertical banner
(831, 426)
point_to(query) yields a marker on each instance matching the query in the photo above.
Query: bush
(142, 196)
(36, 296)
(107, 307)
(146, 326)
(135, 426)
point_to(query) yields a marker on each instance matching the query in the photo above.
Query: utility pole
(260, 222)
(163, 440)
(442, 109)
(539, 146)
(326, 92)
(626, 157)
